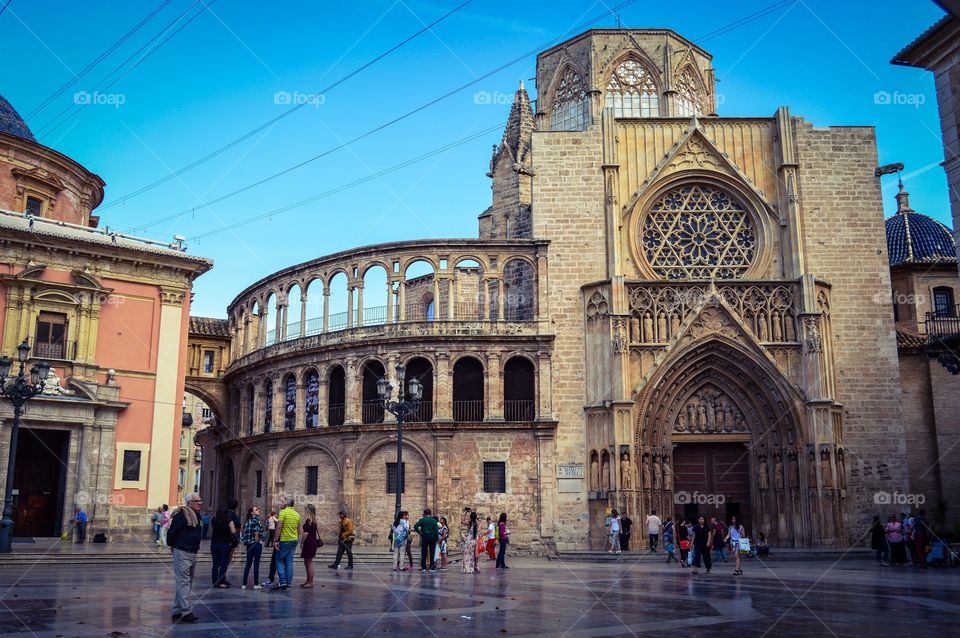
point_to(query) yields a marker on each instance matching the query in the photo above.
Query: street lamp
(19, 390)
(400, 408)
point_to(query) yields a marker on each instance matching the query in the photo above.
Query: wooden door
(712, 479)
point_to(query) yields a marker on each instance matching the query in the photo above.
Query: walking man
(183, 538)
(80, 522)
(653, 529)
(429, 530)
(344, 541)
(626, 524)
(285, 543)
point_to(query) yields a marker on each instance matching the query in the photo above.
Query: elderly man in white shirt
(654, 525)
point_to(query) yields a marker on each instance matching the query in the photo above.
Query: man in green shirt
(429, 529)
(285, 544)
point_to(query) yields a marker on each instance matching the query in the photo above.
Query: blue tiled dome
(11, 123)
(913, 238)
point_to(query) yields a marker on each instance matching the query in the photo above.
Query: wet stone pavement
(535, 597)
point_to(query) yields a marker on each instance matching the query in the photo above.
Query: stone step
(324, 557)
(786, 554)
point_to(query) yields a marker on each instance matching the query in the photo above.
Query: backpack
(496, 532)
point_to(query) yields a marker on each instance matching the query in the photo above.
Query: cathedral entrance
(39, 481)
(712, 479)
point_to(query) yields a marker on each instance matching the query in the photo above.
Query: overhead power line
(756, 15)
(288, 112)
(343, 187)
(126, 36)
(74, 109)
(395, 120)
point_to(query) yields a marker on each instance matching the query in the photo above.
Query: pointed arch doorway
(719, 432)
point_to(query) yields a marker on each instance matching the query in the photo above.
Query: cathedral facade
(665, 310)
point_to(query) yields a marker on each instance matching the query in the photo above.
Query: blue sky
(220, 76)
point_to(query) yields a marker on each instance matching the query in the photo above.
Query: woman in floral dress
(471, 560)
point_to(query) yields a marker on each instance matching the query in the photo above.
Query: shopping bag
(744, 545)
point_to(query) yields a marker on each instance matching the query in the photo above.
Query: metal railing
(467, 411)
(943, 323)
(519, 410)
(371, 411)
(47, 350)
(336, 413)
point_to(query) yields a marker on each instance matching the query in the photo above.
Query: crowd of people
(688, 542)
(909, 537)
(183, 529)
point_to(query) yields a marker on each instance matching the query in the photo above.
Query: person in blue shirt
(80, 522)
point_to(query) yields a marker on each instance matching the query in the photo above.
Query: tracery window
(698, 231)
(569, 103)
(689, 100)
(631, 91)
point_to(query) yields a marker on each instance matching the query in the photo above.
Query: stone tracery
(631, 91)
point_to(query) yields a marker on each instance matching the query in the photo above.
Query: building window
(392, 478)
(494, 476)
(208, 361)
(631, 91)
(131, 465)
(50, 342)
(205, 413)
(268, 407)
(943, 305)
(689, 102)
(196, 482)
(258, 484)
(569, 103)
(182, 478)
(290, 407)
(697, 231)
(250, 411)
(313, 474)
(34, 206)
(312, 400)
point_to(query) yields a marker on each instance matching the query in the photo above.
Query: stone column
(485, 285)
(303, 312)
(350, 306)
(300, 420)
(494, 394)
(544, 387)
(402, 301)
(354, 392)
(326, 309)
(389, 300)
(281, 327)
(451, 298)
(360, 304)
(279, 400)
(436, 298)
(501, 300)
(323, 400)
(443, 390)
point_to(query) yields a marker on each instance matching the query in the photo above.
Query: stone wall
(844, 244)
(569, 193)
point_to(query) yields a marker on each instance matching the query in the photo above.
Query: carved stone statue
(646, 471)
(594, 473)
(656, 473)
(812, 476)
(648, 336)
(794, 472)
(728, 418)
(605, 473)
(661, 328)
(667, 475)
(719, 416)
(777, 327)
(778, 473)
(762, 474)
(701, 418)
(711, 416)
(691, 417)
(626, 472)
(841, 471)
(681, 425)
(825, 468)
(635, 335)
(51, 385)
(674, 323)
(762, 321)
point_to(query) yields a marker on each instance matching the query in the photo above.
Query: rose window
(698, 232)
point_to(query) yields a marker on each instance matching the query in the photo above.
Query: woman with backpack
(401, 532)
(683, 536)
(252, 539)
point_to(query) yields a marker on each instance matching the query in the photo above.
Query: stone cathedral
(665, 309)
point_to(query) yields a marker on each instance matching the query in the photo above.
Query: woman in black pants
(220, 539)
(702, 542)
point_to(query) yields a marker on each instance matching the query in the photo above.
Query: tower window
(50, 341)
(569, 104)
(689, 101)
(34, 206)
(943, 305)
(631, 91)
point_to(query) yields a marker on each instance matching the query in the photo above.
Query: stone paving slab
(534, 598)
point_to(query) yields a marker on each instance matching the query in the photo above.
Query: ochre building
(110, 313)
(665, 310)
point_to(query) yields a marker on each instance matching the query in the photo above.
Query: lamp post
(404, 405)
(19, 390)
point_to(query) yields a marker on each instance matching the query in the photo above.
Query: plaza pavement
(535, 597)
